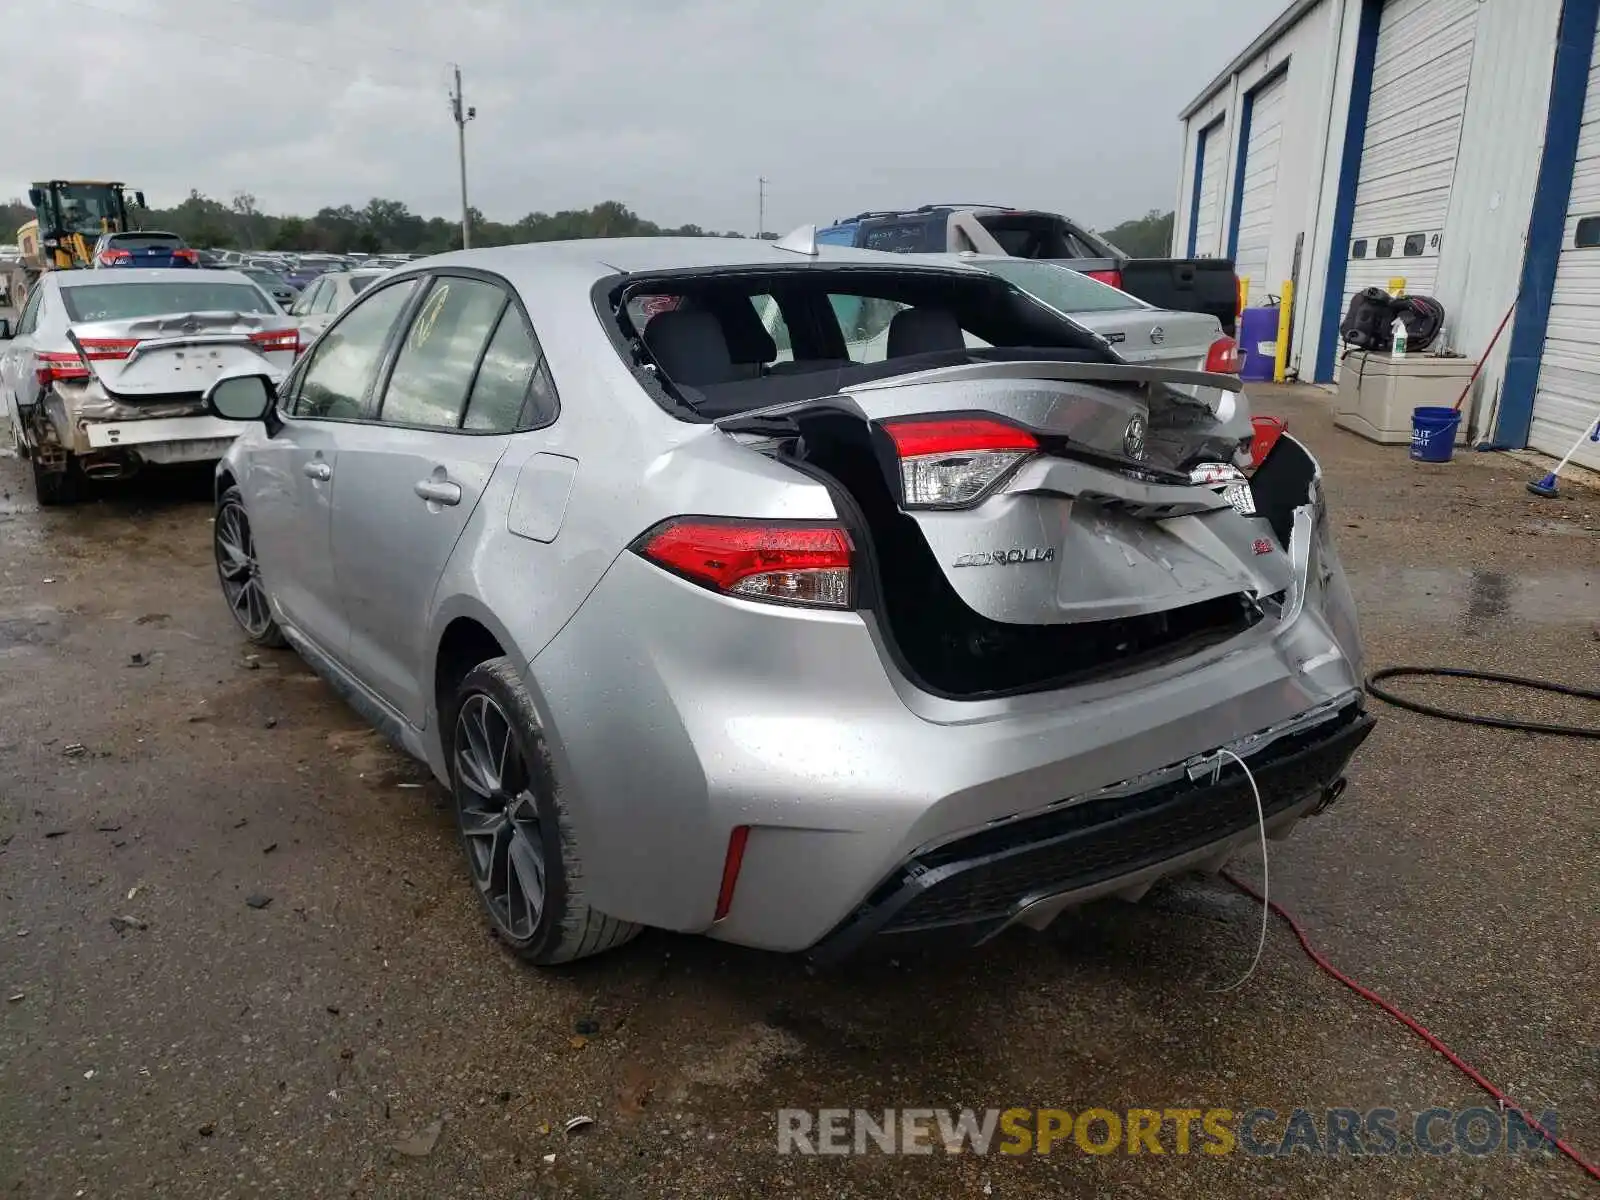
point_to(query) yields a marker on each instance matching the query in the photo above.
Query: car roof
(599, 257)
(68, 279)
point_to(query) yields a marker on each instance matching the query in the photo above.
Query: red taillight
(956, 461)
(916, 436)
(1114, 278)
(112, 257)
(1223, 357)
(108, 348)
(188, 256)
(269, 340)
(756, 560)
(51, 366)
(730, 869)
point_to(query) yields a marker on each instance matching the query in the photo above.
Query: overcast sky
(674, 107)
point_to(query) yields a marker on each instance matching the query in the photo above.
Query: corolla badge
(1015, 556)
(1133, 436)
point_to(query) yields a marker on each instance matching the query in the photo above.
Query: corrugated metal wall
(1502, 135)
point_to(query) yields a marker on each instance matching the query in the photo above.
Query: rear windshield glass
(925, 235)
(146, 241)
(124, 301)
(1062, 288)
(726, 342)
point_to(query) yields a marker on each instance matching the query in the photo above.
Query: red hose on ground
(1415, 1026)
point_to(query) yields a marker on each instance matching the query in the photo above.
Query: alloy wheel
(498, 817)
(239, 571)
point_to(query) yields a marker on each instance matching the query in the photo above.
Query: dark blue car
(144, 248)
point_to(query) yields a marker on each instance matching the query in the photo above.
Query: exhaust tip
(1330, 795)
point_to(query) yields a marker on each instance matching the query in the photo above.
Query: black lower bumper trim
(975, 885)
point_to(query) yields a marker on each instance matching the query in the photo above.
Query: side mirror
(36, 196)
(241, 397)
(138, 198)
(5, 329)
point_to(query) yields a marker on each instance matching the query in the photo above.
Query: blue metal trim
(1242, 161)
(1344, 205)
(1199, 178)
(1547, 223)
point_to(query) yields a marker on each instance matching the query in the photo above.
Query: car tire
(515, 829)
(55, 489)
(239, 572)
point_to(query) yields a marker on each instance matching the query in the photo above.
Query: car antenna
(799, 241)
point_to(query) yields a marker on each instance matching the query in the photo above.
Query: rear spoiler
(1068, 371)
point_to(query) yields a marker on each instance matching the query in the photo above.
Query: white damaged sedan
(106, 371)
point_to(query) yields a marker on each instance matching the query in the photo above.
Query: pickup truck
(1207, 285)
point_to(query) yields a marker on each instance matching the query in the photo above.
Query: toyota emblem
(1157, 336)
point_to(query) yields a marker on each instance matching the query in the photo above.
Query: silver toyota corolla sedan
(803, 653)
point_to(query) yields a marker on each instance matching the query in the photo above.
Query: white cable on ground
(1266, 882)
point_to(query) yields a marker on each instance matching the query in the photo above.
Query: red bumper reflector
(730, 869)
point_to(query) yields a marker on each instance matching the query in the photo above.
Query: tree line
(380, 226)
(388, 226)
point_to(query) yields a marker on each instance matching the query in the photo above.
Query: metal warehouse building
(1454, 144)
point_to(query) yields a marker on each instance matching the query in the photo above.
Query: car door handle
(438, 491)
(318, 470)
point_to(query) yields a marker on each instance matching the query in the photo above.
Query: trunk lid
(1153, 338)
(1092, 517)
(183, 352)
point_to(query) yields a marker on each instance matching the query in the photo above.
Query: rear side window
(125, 301)
(345, 362)
(359, 283)
(513, 375)
(1062, 288)
(440, 354)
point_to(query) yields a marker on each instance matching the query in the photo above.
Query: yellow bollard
(1280, 358)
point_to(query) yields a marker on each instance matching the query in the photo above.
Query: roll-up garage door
(1408, 153)
(1568, 399)
(1260, 188)
(1205, 232)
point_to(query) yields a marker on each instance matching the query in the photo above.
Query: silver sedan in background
(328, 296)
(802, 652)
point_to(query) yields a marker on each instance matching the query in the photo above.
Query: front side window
(864, 322)
(440, 354)
(345, 363)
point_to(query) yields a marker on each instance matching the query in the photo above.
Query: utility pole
(761, 206)
(462, 116)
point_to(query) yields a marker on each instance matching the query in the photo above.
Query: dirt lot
(150, 769)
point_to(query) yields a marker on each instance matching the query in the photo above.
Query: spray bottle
(1398, 329)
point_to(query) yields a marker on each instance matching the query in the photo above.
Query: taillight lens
(108, 348)
(781, 562)
(954, 462)
(277, 339)
(112, 257)
(1114, 278)
(187, 256)
(1223, 357)
(51, 366)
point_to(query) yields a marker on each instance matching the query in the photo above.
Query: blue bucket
(1433, 433)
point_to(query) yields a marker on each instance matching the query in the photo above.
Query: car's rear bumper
(1030, 869)
(675, 715)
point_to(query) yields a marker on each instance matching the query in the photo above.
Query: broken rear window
(730, 341)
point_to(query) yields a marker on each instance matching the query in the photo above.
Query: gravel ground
(151, 770)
